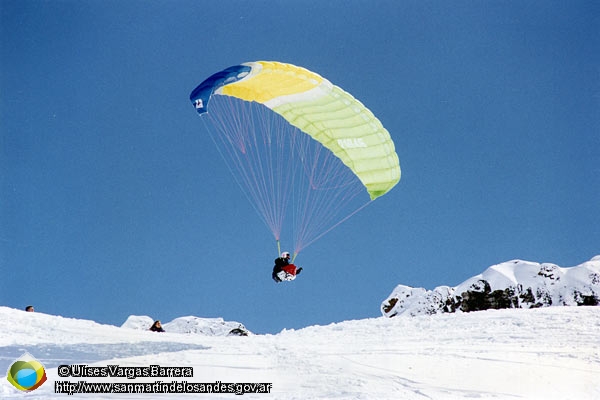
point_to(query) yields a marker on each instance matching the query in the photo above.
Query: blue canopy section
(201, 95)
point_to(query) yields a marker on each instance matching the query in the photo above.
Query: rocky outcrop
(513, 284)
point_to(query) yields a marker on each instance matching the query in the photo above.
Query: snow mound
(139, 322)
(193, 325)
(206, 326)
(512, 284)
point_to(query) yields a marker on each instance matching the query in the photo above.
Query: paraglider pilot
(283, 269)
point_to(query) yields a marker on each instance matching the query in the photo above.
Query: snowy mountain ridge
(512, 284)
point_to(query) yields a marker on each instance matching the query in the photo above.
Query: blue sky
(113, 200)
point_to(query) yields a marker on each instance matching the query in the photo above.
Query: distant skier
(283, 270)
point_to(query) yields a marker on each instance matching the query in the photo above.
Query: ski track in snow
(548, 353)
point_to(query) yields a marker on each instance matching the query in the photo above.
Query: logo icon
(26, 373)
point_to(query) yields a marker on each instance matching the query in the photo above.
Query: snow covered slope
(544, 353)
(513, 284)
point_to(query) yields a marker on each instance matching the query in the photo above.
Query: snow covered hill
(543, 353)
(513, 284)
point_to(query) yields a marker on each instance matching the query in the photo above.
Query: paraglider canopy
(302, 149)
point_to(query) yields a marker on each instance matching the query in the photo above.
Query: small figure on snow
(157, 327)
(283, 269)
